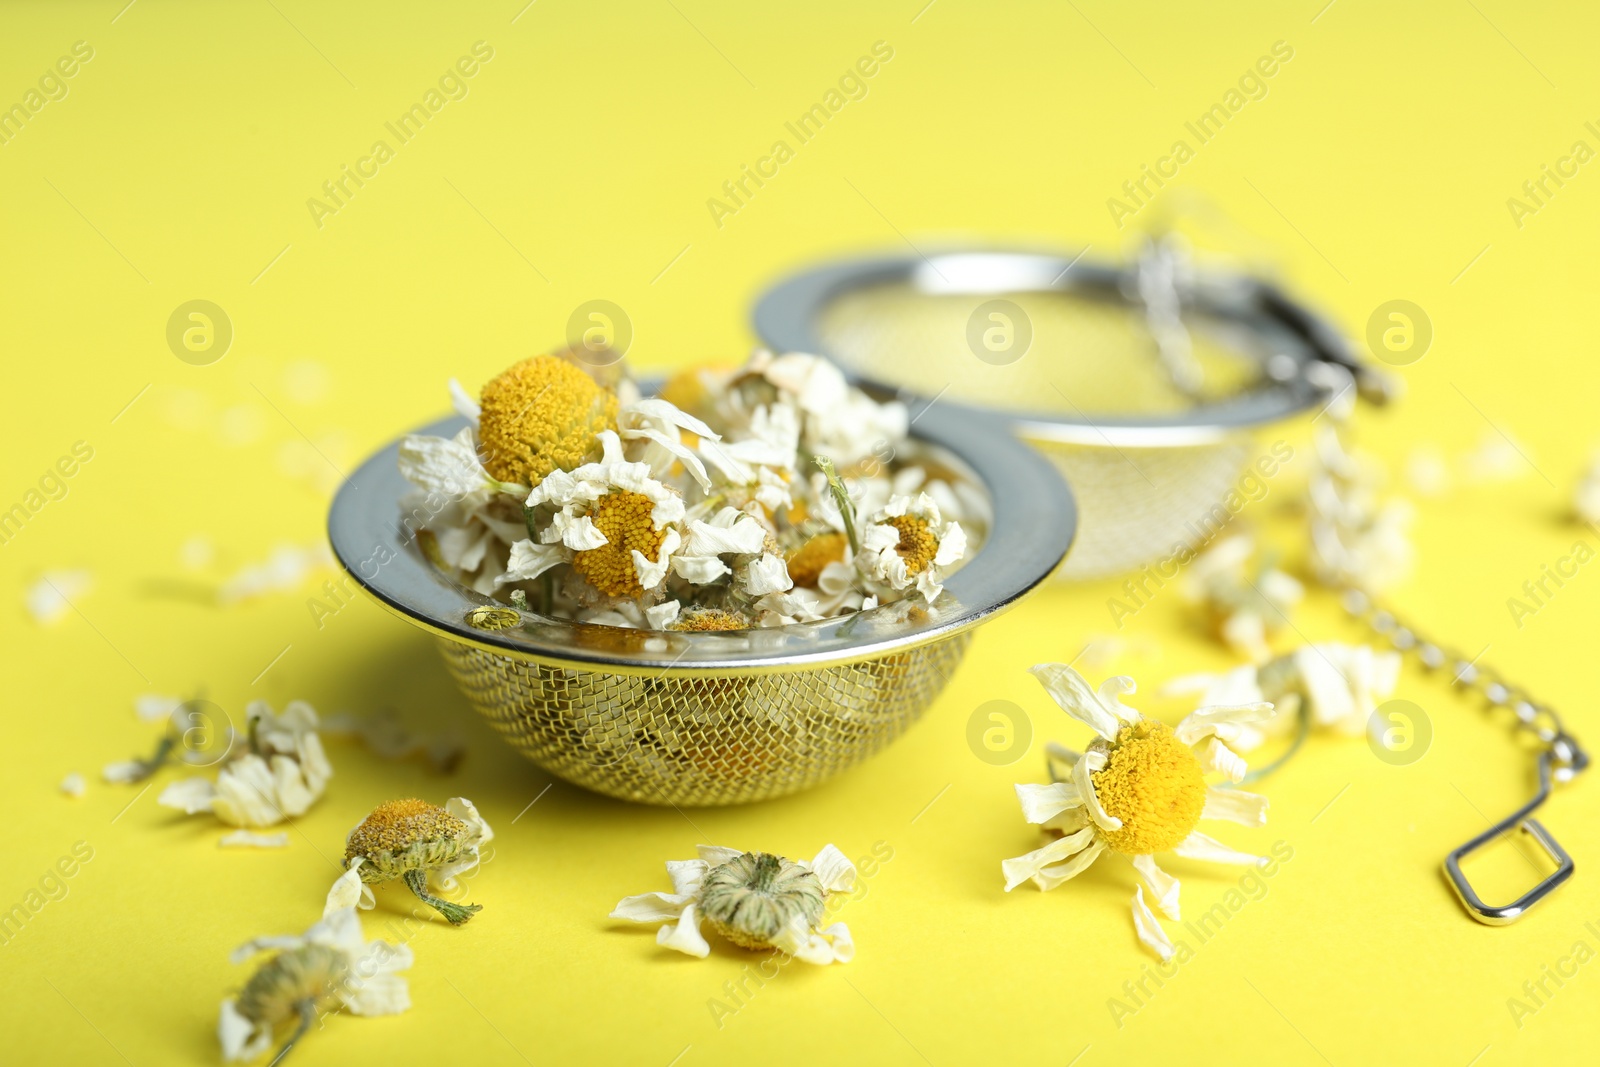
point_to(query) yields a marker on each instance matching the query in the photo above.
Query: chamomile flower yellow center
(624, 518)
(541, 415)
(1154, 784)
(807, 562)
(917, 544)
(399, 824)
(711, 619)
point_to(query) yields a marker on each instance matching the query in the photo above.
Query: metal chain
(1341, 516)
(1543, 722)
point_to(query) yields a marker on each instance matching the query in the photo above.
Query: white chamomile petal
(1088, 765)
(528, 561)
(1111, 692)
(1040, 803)
(652, 907)
(1217, 719)
(1149, 929)
(769, 574)
(1073, 695)
(1162, 885)
(1197, 846)
(717, 855)
(1047, 878)
(834, 870)
(1216, 757)
(1027, 867)
(686, 875)
(1232, 805)
(684, 935)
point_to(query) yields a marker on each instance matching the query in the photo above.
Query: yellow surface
(178, 167)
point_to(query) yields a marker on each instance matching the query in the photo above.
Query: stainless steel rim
(787, 314)
(1033, 526)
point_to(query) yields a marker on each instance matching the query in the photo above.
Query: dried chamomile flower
(909, 544)
(1337, 687)
(1140, 789)
(614, 522)
(1246, 599)
(330, 966)
(425, 845)
(544, 414)
(276, 771)
(754, 899)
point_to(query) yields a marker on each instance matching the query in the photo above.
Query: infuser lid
(1145, 354)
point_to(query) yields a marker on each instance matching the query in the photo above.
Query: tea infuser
(715, 718)
(1148, 386)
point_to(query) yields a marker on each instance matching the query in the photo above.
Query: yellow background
(178, 167)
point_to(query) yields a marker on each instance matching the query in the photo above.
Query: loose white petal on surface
(73, 785)
(1217, 719)
(1041, 803)
(1216, 757)
(50, 598)
(191, 795)
(1197, 846)
(1232, 805)
(1162, 885)
(127, 770)
(1081, 771)
(684, 935)
(1149, 929)
(1073, 695)
(251, 839)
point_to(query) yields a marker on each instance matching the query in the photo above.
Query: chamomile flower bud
(542, 415)
(422, 844)
(756, 900)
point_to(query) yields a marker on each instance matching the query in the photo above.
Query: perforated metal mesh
(693, 738)
(1089, 357)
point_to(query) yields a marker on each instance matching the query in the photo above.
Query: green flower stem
(456, 914)
(841, 496)
(308, 1011)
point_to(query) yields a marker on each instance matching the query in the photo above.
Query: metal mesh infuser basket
(715, 718)
(1148, 387)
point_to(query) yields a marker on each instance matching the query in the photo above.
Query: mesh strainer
(714, 718)
(1146, 385)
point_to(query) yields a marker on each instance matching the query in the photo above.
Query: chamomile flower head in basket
(425, 845)
(1139, 790)
(574, 497)
(909, 544)
(331, 966)
(612, 521)
(756, 900)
